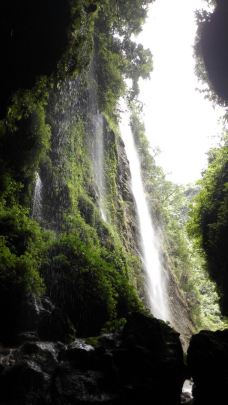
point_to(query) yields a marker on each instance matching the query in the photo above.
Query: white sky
(177, 118)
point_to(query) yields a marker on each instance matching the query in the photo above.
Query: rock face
(142, 364)
(207, 361)
(129, 227)
(38, 319)
(181, 316)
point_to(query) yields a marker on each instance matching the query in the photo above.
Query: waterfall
(37, 199)
(98, 158)
(155, 276)
(96, 128)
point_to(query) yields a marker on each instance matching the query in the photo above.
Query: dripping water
(37, 199)
(154, 272)
(98, 158)
(96, 128)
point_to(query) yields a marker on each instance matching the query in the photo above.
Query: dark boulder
(150, 358)
(73, 386)
(38, 318)
(26, 373)
(207, 361)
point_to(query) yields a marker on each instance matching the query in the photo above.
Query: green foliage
(21, 246)
(209, 218)
(78, 50)
(114, 326)
(138, 63)
(117, 56)
(125, 17)
(109, 66)
(87, 270)
(90, 287)
(24, 140)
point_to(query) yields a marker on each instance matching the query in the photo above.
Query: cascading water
(98, 158)
(155, 276)
(37, 199)
(96, 128)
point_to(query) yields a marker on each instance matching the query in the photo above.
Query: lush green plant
(117, 56)
(24, 139)
(89, 287)
(21, 245)
(209, 218)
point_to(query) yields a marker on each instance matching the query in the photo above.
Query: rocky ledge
(141, 364)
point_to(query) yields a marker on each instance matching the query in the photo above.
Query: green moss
(87, 268)
(24, 142)
(88, 286)
(21, 248)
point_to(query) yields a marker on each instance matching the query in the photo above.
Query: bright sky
(178, 119)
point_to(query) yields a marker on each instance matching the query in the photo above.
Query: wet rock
(45, 354)
(79, 353)
(40, 319)
(131, 366)
(32, 309)
(24, 382)
(207, 361)
(27, 372)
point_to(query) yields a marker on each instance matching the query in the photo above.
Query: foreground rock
(142, 364)
(207, 360)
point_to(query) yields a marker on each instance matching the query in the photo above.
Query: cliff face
(69, 252)
(65, 172)
(86, 185)
(67, 214)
